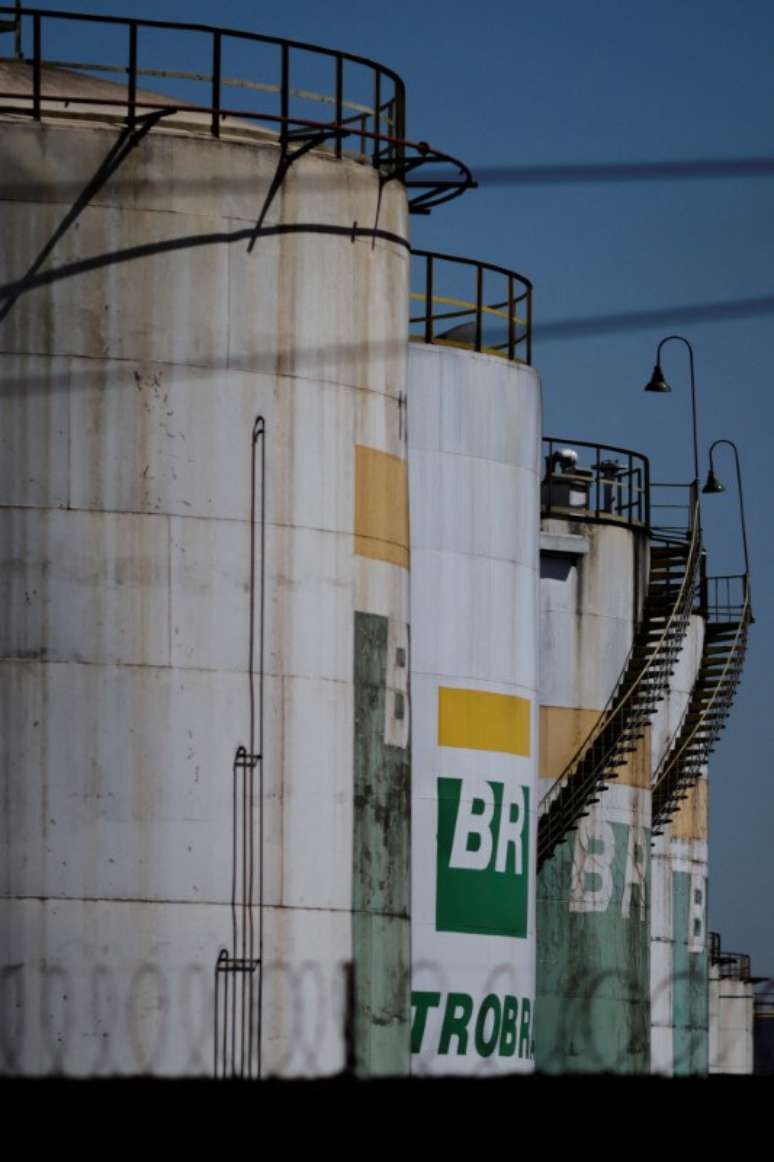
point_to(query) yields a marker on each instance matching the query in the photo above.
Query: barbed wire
(142, 1019)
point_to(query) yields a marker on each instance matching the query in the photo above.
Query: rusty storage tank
(617, 595)
(474, 408)
(204, 553)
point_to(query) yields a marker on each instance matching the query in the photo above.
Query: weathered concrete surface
(131, 381)
(474, 438)
(381, 847)
(125, 986)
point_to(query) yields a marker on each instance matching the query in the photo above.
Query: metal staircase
(672, 587)
(729, 615)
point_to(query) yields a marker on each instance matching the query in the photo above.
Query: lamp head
(657, 381)
(713, 484)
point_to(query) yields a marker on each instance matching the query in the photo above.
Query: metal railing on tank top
(349, 105)
(472, 305)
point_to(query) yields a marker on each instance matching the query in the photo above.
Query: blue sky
(503, 84)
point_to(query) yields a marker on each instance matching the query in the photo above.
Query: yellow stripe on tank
(481, 720)
(690, 819)
(564, 730)
(381, 506)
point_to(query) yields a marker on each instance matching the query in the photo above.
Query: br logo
(483, 857)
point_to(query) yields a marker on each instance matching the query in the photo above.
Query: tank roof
(359, 114)
(76, 95)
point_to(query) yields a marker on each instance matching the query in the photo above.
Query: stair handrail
(615, 704)
(670, 760)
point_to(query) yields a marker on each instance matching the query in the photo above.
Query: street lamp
(659, 384)
(714, 485)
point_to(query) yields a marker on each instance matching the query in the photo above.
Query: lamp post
(658, 383)
(714, 485)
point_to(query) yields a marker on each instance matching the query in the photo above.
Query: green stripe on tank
(381, 859)
(690, 975)
(593, 953)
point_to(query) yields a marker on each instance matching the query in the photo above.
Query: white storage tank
(731, 1011)
(204, 566)
(474, 436)
(622, 889)
(593, 898)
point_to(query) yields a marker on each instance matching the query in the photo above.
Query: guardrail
(472, 305)
(712, 695)
(733, 965)
(300, 82)
(672, 508)
(726, 597)
(595, 482)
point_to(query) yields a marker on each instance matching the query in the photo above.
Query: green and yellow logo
(483, 857)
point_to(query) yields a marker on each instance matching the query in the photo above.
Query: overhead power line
(727, 309)
(633, 171)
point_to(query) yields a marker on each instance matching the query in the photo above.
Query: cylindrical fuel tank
(731, 1015)
(474, 441)
(679, 953)
(204, 571)
(593, 906)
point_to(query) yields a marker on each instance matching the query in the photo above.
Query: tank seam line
(396, 240)
(481, 459)
(173, 667)
(200, 904)
(187, 516)
(244, 220)
(182, 365)
(478, 678)
(471, 556)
